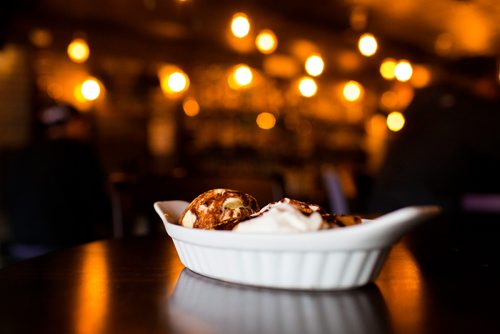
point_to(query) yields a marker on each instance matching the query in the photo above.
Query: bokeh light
(91, 89)
(177, 82)
(173, 80)
(40, 37)
(358, 18)
(421, 76)
(387, 68)
(78, 50)
(240, 77)
(266, 41)
(240, 25)
(395, 121)
(367, 45)
(191, 107)
(308, 87)
(314, 65)
(266, 120)
(403, 71)
(444, 44)
(352, 91)
(389, 100)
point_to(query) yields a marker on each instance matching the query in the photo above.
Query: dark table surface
(138, 285)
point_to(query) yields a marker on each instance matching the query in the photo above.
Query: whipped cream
(281, 217)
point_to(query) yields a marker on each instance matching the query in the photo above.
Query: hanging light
(314, 65)
(266, 41)
(367, 45)
(240, 25)
(78, 50)
(308, 87)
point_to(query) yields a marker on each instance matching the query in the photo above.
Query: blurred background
(277, 98)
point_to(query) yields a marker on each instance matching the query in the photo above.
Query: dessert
(218, 209)
(289, 215)
(226, 209)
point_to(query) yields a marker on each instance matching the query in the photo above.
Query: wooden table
(138, 285)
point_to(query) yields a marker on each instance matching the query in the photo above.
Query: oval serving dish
(333, 259)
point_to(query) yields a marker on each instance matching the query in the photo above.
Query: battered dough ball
(218, 209)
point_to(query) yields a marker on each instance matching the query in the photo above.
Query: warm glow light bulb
(78, 50)
(191, 107)
(314, 65)
(91, 89)
(387, 68)
(266, 41)
(403, 71)
(240, 25)
(352, 91)
(266, 120)
(395, 121)
(367, 45)
(307, 87)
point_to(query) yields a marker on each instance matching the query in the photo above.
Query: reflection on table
(201, 304)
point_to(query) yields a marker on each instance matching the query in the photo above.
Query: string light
(265, 120)
(367, 45)
(266, 41)
(314, 65)
(395, 121)
(308, 87)
(403, 71)
(240, 25)
(78, 50)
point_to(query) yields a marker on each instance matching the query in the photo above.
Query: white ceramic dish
(324, 260)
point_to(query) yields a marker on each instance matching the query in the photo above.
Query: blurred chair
(336, 198)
